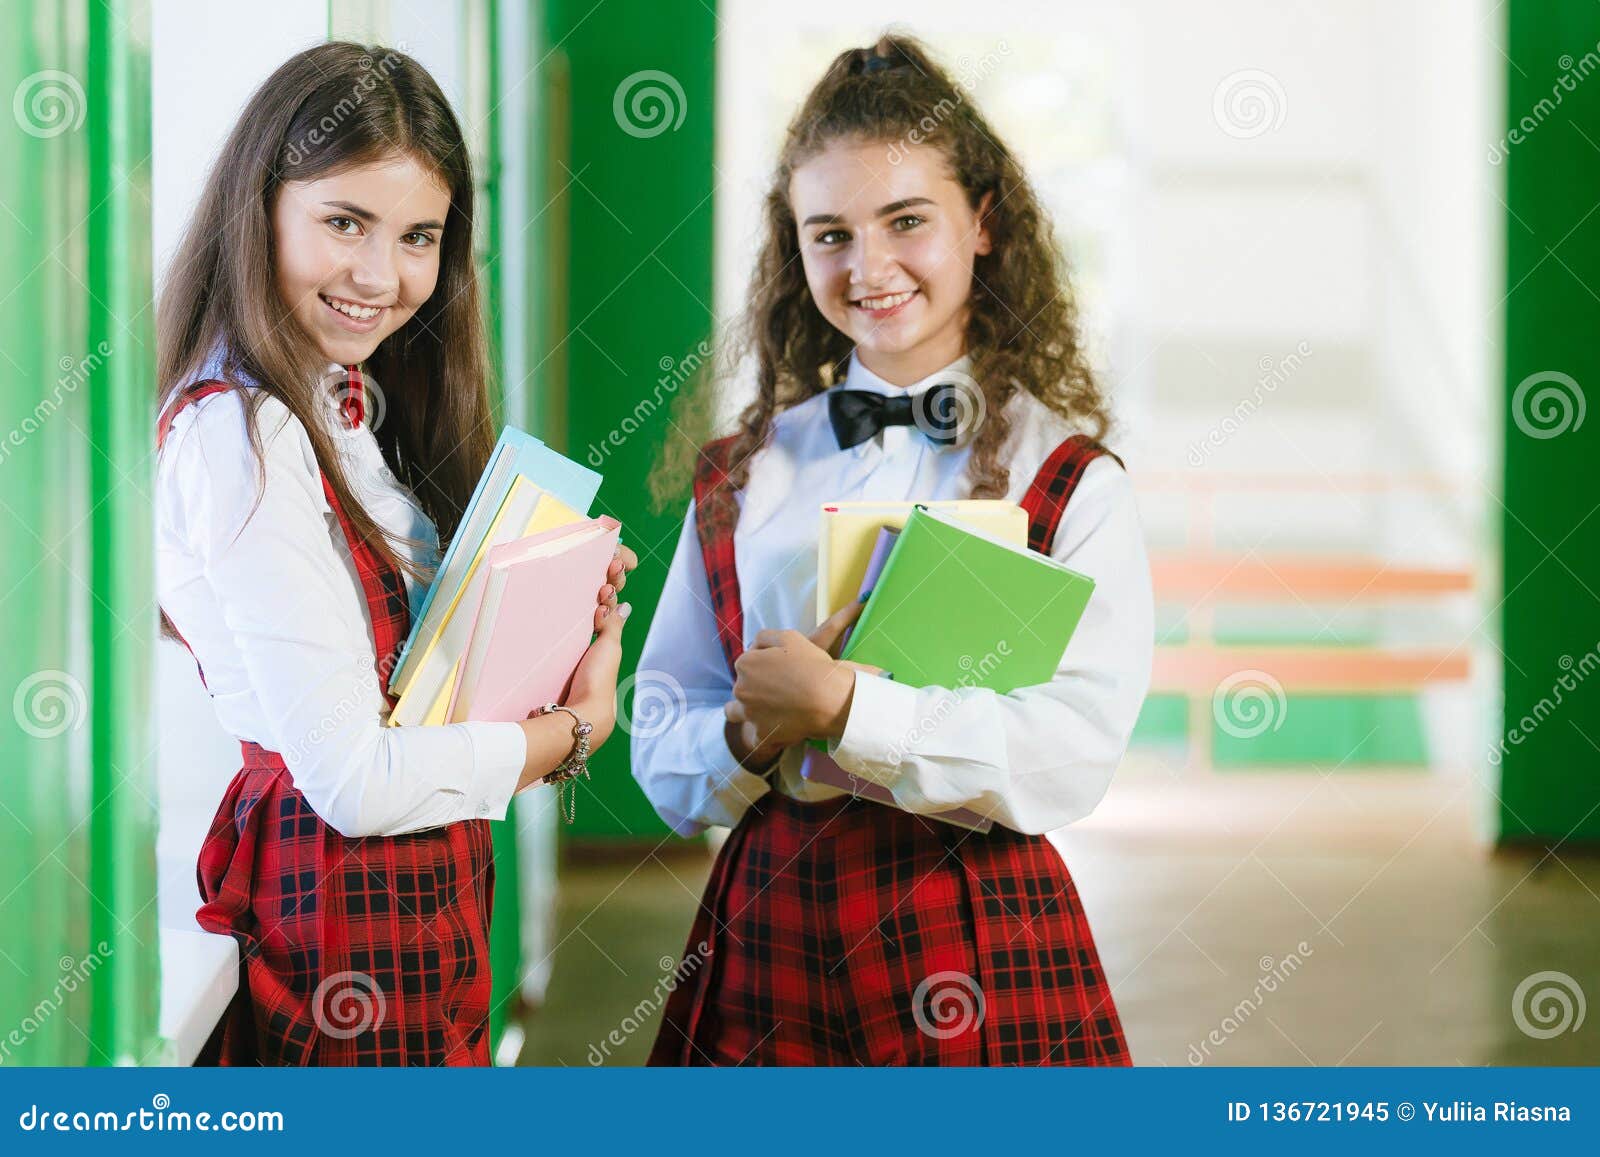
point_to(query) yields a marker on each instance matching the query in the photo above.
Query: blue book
(516, 453)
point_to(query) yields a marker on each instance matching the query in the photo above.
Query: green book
(955, 607)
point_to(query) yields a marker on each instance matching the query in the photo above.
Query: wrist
(832, 710)
(757, 760)
(599, 713)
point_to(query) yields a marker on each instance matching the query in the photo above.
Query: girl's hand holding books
(616, 578)
(593, 694)
(789, 687)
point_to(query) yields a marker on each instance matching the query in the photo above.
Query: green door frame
(1549, 746)
(77, 815)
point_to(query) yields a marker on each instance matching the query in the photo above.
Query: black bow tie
(859, 414)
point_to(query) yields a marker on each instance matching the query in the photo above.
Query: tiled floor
(1255, 918)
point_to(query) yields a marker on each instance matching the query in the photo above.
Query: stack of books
(954, 598)
(511, 610)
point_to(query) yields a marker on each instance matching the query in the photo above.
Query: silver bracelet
(575, 764)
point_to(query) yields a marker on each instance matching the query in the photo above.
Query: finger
(629, 559)
(733, 711)
(610, 629)
(865, 667)
(771, 637)
(831, 630)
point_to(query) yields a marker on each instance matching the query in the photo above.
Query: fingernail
(865, 595)
(624, 610)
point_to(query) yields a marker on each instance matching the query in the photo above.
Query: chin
(348, 352)
(883, 343)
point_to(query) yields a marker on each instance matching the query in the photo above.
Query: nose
(870, 263)
(373, 271)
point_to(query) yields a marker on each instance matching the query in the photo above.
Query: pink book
(818, 768)
(534, 621)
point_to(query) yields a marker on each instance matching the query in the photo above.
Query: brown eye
(339, 224)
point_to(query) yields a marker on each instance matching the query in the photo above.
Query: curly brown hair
(1022, 321)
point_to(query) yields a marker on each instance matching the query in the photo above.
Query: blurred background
(1337, 271)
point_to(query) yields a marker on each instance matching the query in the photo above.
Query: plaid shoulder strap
(715, 515)
(382, 585)
(1052, 487)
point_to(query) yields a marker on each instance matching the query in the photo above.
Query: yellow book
(849, 531)
(439, 712)
(527, 510)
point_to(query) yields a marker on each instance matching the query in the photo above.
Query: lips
(884, 305)
(356, 316)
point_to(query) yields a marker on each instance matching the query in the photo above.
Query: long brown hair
(1021, 329)
(332, 107)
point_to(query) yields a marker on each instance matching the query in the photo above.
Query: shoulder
(208, 451)
(1037, 432)
(796, 435)
(218, 428)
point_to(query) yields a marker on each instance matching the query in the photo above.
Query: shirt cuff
(732, 778)
(499, 753)
(878, 730)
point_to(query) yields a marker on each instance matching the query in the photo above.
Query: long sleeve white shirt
(270, 603)
(1034, 759)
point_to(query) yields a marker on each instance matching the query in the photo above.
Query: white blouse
(272, 607)
(1034, 759)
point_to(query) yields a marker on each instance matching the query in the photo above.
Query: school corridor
(1338, 266)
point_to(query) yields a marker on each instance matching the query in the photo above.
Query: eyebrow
(367, 217)
(892, 207)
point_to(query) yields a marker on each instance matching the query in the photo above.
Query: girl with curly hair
(913, 337)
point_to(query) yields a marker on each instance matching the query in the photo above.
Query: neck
(910, 366)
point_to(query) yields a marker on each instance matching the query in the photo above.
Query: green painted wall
(634, 278)
(80, 968)
(1550, 620)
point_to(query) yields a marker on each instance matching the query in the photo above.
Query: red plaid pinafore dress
(371, 951)
(848, 932)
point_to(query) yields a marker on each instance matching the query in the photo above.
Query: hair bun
(879, 58)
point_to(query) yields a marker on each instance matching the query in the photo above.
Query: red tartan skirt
(847, 932)
(369, 951)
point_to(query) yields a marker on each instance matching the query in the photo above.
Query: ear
(985, 241)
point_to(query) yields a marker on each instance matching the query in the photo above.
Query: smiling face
(888, 248)
(358, 252)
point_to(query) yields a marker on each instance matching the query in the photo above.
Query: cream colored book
(527, 510)
(850, 529)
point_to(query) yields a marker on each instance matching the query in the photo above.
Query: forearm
(550, 739)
